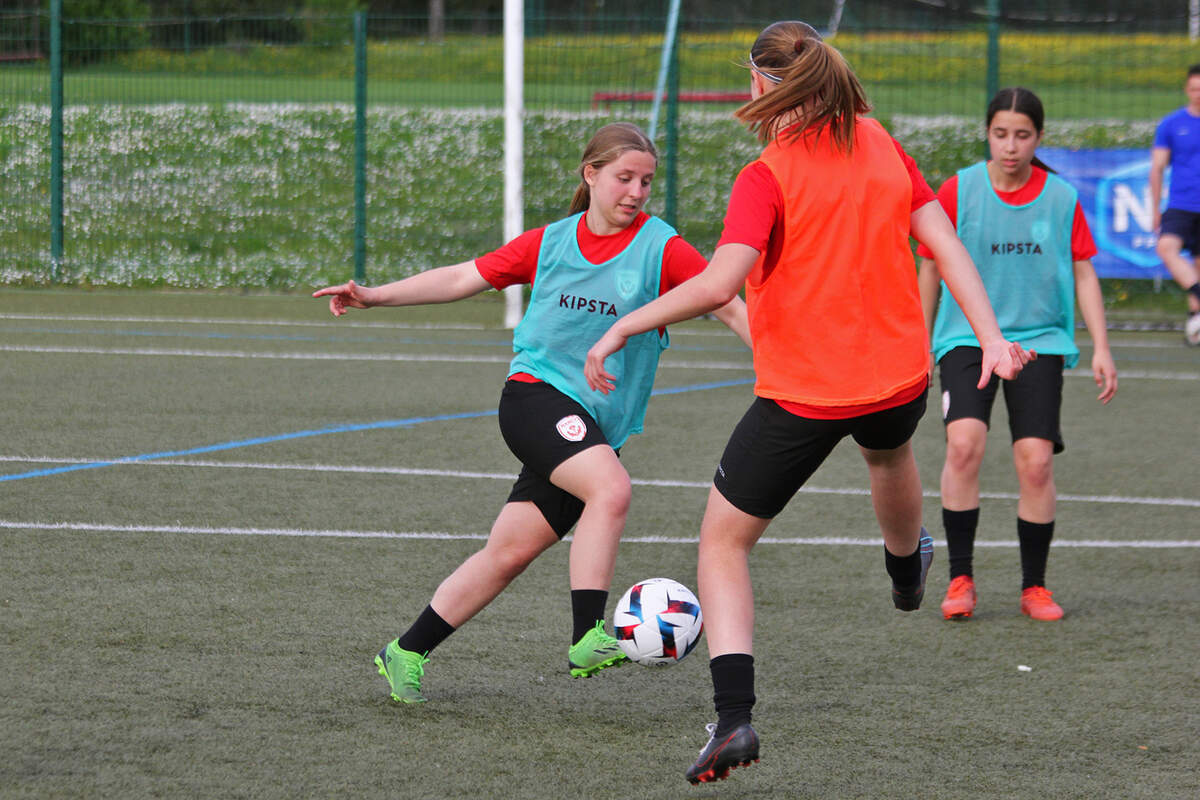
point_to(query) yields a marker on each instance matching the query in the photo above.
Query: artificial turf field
(200, 618)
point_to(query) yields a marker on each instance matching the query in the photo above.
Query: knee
(510, 560)
(964, 455)
(1035, 470)
(1167, 247)
(613, 495)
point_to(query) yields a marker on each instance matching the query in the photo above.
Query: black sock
(426, 633)
(1195, 290)
(904, 570)
(1034, 538)
(960, 540)
(587, 608)
(733, 689)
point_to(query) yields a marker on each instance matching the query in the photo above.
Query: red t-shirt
(1082, 245)
(755, 217)
(516, 262)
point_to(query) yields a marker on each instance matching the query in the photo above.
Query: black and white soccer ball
(657, 622)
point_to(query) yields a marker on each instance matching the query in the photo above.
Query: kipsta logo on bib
(572, 428)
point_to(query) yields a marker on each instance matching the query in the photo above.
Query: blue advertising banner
(1114, 190)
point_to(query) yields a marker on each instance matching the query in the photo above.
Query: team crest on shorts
(572, 428)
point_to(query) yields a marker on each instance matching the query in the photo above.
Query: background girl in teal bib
(1026, 233)
(604, 260)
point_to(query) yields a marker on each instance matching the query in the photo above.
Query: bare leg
(1034, 460)
(727, 535)
(896, 496)
(1182, 270)
(519, 535)
(597, 478)
(966, 440)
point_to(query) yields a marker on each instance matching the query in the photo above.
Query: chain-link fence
(223, 151)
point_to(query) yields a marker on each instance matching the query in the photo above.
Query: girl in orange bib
(817, 232)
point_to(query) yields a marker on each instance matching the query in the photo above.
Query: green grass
(138, 661)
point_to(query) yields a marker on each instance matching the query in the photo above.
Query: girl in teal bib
(601, 262)
(1024, 229)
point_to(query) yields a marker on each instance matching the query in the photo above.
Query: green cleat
(403, 670)
(595, 651)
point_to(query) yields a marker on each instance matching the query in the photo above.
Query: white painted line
(284, 323)
(1185, 502)
(667, 363)
(95, 527)
(744, 366)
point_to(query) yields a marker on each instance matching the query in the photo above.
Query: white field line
(404, 326)
(457, 359)
(92, 527)
(330, 324)
(1184, 502)
(745, 366)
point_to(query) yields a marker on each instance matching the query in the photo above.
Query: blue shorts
(1185, 225)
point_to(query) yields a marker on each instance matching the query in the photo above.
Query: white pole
(514, 144)
(835, 19)
(660, 86)
(1193, 19)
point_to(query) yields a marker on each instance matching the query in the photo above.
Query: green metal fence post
(360, 145)
(56, 139)
(672, 141)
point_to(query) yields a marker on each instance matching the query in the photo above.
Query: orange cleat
(1036, 604)
(960, 598)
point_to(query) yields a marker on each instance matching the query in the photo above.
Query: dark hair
(607, 145)
(809, 72)
(1194, 69)
(1019, 100)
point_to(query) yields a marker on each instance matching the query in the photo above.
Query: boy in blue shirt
(1177, 142)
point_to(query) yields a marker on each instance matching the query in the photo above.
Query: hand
(598, 378)
(347, 295)
(1155, 220)
(1005, 359)
(1104, 371)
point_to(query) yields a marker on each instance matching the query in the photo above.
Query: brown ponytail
(815, 86)
(607, 145)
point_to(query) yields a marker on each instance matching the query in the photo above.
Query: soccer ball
(657, 622)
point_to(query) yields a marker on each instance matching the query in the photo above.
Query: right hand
(344, 296)
(1005, 359)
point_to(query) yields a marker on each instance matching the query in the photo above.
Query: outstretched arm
(733, 314)
(439, 285)
(713, 288)
(1091, 306)
(932, 227)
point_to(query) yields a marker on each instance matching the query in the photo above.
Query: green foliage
(99, 30)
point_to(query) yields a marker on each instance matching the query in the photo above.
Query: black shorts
(772, 452)
(1184, 224)
(1033, 398)
(543, 428)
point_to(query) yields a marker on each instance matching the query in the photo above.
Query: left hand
(1104, 371)
(599, 378)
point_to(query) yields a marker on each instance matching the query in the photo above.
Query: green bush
(102, 30)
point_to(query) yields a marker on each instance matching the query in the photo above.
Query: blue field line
(282, 437)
